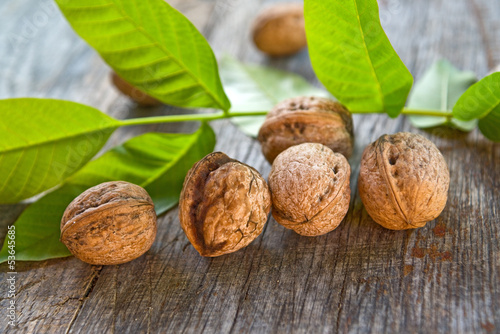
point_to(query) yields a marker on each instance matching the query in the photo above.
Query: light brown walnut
(403, 181)
(223, 206)
(310, 189)
(132, 92)
(111, 223)
(306, 120)
(279, 30)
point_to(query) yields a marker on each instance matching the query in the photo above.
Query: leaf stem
(223, 115)
(436, 113)
(189, 117)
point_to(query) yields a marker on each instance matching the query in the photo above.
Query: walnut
(306, 119)
(310, 188)
(403, 181)
(134, 93)
(111, 223)
(279, 30)
(223, 206)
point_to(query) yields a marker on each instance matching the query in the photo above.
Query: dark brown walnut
(403, 181)
(111, 223)
(134, 93)
(306, 120)
(310, 188)
(279, 29)
(224, 205)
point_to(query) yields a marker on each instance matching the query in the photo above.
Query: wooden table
(444, 277)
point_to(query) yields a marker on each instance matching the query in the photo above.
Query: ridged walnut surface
(111, 223)
(279, 30)
(306, 120)
(310, 189)
(403, 181)
(223, 206)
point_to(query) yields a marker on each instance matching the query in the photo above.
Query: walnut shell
(223, 206)
(134, 93)
(310, 188)
(306, 120)
(279, 30)
(403, 181)
(111, 223)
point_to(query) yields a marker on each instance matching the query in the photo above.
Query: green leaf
(43, 141)
(152, 46)
(353, 57)
(439, 89)
(259, 88)
(490, 126)
(155, 161)
(482, 101)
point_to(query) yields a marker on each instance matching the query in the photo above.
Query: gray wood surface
(360, 278)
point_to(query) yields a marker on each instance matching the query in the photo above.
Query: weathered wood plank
(359, 278)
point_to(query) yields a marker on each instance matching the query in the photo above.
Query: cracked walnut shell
(306, 120)
(111, 223)
(223, 206)
(279, 30)
(310, 188)
(403, 181)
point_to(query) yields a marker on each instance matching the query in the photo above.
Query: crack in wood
(88, 290)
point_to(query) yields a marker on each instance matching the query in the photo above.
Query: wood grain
(360, 278)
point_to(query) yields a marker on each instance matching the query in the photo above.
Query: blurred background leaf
(260, 88)
(439, 89)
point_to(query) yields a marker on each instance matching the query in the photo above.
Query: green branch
(435, 113)
(189, 117)
(224, 115)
